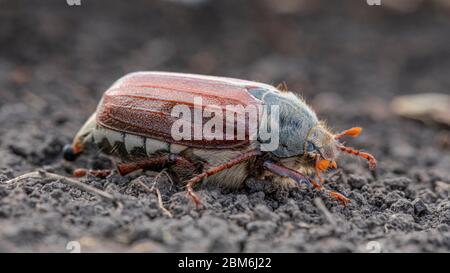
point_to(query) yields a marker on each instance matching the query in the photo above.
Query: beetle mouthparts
(68, 153)
(325, 164)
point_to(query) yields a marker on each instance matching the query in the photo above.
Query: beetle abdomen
(125, 145)
(129, 146)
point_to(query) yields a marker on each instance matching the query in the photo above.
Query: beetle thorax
(296, 119)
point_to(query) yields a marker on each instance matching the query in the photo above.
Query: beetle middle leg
(195, 180)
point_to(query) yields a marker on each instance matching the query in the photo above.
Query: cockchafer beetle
(133, 122)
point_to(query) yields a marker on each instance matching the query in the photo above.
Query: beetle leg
(150, 163)
(196, 179)
(341, 198)
(300, 178)
(320, 166)
(323, 165)
(156, 163)
(97, 173)
(286, 172)
(333, 194)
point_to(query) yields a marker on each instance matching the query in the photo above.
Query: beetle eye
(310, 147)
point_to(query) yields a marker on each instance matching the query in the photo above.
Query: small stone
(241, 218)
(356, 182)
(402, 205)
(392, 197)
(442, 187)
(443, 228)
(263, 213)
(377, 199)
(3, 191)
(56, 194)
(427, 196)
(419, 207)
(266, 227)
(399, 183)
(400, 221)
(443, 210)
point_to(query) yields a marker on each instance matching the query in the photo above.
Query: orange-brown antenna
(353, 132)
(367, 156)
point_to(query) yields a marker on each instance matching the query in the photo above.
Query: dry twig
(154, 189)
(321, 206)
(69, 181)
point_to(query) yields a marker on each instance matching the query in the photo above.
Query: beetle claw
(332, 194)
(341, 198)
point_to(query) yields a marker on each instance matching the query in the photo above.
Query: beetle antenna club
(353, 132)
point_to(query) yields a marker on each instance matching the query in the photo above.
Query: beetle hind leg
(97, 173)
(158, 162)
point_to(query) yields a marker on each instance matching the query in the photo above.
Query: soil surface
(347, 60)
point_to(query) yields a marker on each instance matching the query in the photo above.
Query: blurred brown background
(343, 47)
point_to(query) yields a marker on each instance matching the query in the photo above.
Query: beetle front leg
(301, 179)
(286, 172)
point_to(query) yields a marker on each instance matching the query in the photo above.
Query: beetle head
(323, 146)
(321, 143)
